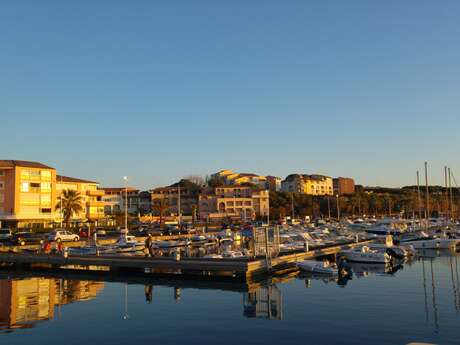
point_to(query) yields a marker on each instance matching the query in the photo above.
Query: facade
(92, 197)
(343, 186)
(233, 202)
(189, 193)
(145, 203)
(115, 200)
(231, 178)
(273, 183)
(308, 184)
(27, 193)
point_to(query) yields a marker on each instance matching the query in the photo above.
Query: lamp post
(125, 178)
(338, 207)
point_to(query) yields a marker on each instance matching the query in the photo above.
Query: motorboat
(387, 227)
(213, 256)
(365, 254)
(425, 241)
(322, 267)
(232, 254)
(128, 244)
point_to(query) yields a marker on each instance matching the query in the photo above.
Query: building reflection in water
(263, 302)
(24, 302)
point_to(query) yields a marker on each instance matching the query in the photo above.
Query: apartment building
(343, 185)
(308, 184)
(228, 177)
(115, 200)
(91, 197)
(27, 193)
(233, 202)
(189, 193)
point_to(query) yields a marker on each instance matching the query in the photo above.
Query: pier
(188, 266)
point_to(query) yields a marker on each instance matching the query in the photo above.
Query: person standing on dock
(148, 245)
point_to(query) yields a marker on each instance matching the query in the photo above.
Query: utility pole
(292, 206)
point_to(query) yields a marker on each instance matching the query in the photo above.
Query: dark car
(25, 238)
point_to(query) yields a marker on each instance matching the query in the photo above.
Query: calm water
(418, 302)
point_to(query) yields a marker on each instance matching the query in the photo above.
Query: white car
(62, 236)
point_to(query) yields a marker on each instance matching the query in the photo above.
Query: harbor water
(417, 301)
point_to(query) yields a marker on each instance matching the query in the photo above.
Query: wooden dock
(235, 268)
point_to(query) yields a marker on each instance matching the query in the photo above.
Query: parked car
(5, 234)
(62, 236)
(23, 238)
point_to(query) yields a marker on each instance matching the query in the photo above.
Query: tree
(71, 203)
(160, 205)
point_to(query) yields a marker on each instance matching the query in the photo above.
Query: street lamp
(338, 207)
(125, 178)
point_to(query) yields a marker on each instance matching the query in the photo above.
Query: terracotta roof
(9, 163)
(60, 178)
(119, 189)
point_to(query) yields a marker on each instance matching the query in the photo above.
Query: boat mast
(447, 194)
(427, 214)
(419, 199)
(450, 195)
(178, 205)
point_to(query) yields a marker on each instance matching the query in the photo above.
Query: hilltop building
(228, 177)
(343, 186)
(189, 193)
(308, 184)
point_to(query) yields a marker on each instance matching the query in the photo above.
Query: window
(2, 197)
(46, 187)
(25, 174)
(2, 172)
(24, 186)
(45, 175)
(45, 210)
(2, 185)
(45, 200)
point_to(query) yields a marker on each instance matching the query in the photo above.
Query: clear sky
(158, 90)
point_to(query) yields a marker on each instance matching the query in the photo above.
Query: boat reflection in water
(25, 302)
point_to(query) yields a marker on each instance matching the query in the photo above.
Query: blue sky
(158, 90)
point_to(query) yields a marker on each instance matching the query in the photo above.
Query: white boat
(424, 241)
(365, 254)
(323, 267)
(128, 244)
(213, 256)
(232, 254)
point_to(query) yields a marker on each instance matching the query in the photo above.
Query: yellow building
(232, 178)
(308, 184)
(91, 196)
(234, 202)
(27, 193)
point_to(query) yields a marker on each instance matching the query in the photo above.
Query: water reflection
(264, 302)
(24, 302)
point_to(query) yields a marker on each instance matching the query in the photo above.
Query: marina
(427, 287)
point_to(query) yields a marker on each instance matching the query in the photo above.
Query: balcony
(95, 203)
(95, 192)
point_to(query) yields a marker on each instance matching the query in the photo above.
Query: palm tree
(161, 206)
(69, 203)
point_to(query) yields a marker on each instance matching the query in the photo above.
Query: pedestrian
(148, 245)
(60, 248)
